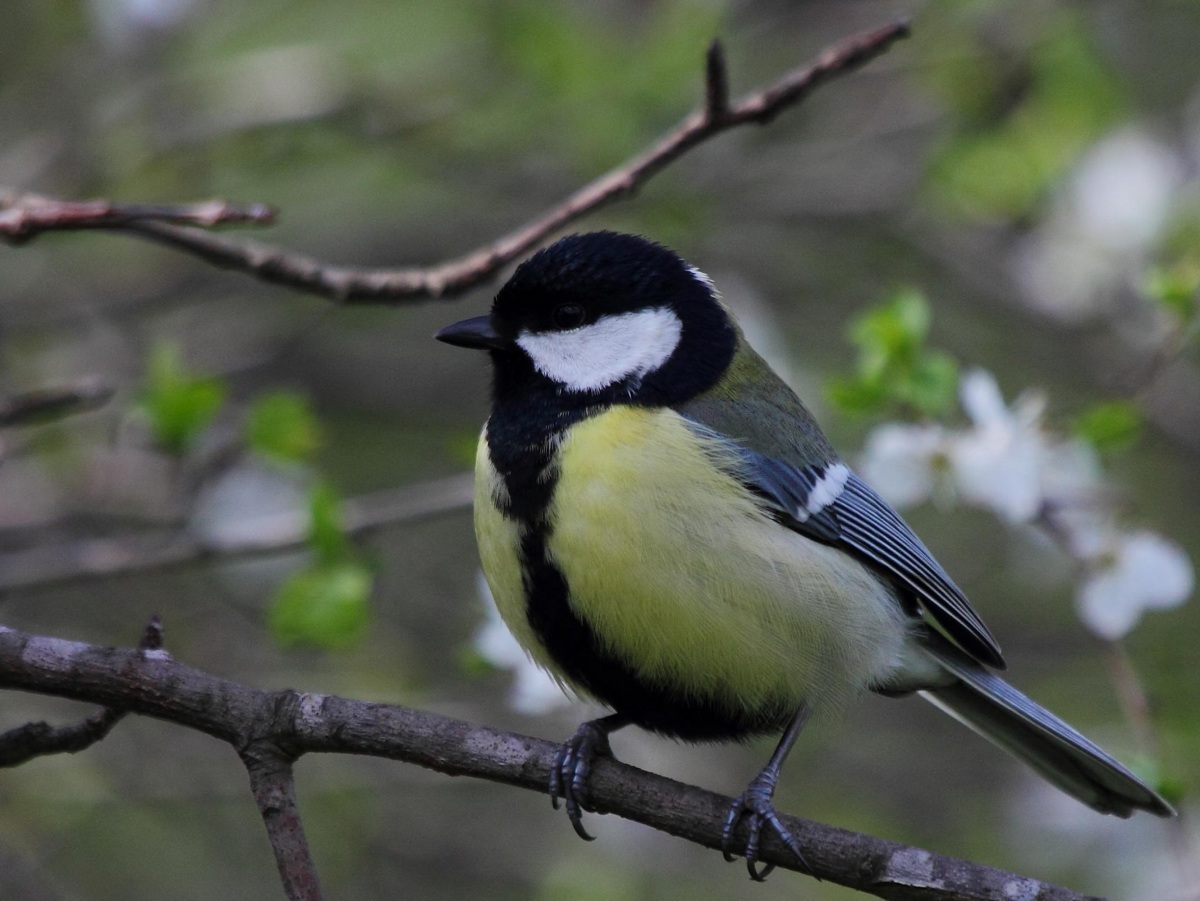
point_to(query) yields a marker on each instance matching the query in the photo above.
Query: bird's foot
(573, 767)
(755, 805)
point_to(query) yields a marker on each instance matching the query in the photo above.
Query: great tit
(666, 529)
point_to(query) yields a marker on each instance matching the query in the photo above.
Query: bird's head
(604, 317)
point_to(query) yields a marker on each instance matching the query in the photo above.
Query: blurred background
(1027, 171)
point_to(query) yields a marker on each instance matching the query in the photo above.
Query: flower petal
(1160, 570)
(898, 461)
(1104, 605)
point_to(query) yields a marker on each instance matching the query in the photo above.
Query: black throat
(530, 416)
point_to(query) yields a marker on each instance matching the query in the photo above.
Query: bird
(665, 529)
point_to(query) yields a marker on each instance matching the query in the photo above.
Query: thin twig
(25, 216)
(49, 404)
(40, 739)
(157, 686)
(48, 566)
(716, 84)
(348, 284)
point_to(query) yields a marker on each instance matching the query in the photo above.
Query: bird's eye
(568, 316)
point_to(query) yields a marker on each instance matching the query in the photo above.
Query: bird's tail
(1004, 716)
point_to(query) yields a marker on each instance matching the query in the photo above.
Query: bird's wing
(829, 503)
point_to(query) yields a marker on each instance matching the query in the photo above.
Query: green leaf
(853, 395)
(281, 426)
(178, 404)
(890, 331)
(326, 536)
(323, 605)
(1176, 288)
(1025, 119)
(894, 367)
(1110, 426)
(931, 385)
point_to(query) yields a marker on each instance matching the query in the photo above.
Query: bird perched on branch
(666, 529)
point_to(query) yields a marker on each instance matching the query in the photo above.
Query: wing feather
(829, 503)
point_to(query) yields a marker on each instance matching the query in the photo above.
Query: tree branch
(48, 404)
(24, 216)
(347, 284)
(152, 684)
(274, 788)
(48, 566)
(24, 743)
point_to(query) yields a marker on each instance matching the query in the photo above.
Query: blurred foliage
(568, 58)
(1177, 288)
(399, 131)
(1024, 114)
(179, 405)
(281, 426)
(325, 603)
(896, 371)
(1110, 426)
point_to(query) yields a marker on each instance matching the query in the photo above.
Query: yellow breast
(670, 561)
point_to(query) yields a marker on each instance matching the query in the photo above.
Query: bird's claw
(756, 806)
(573, 767)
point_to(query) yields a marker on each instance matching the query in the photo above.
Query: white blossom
(997, 464)
(533, 691)
(901, 461)
(1099, 228)
(1122, 193)
(1007, 462)
(1137, 571)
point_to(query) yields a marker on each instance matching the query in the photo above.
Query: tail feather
(1004, 716)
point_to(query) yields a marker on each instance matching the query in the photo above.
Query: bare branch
(157, 686)
(24, 743)
(53, 565)
(152, 635)
(347, 284)
(716, 84)
(48, 404)
(24, 216)
(273, 785)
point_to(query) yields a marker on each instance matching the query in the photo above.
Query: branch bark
(24, 216)
(290, 724)
(273, 785)
(48, 404)
(347, 284)
(100, 558)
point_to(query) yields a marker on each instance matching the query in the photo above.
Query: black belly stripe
(530, 476)
(582, 657)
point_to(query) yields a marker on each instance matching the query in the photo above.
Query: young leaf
(281, 426)
(325, 534)
(931, 385)
(891, 333)
(854, 395)
(178, 404)
(323, 605)
(1110, 426)
(1177, 288)
(894, 367)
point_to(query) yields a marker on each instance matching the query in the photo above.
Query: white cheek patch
(609, 350)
